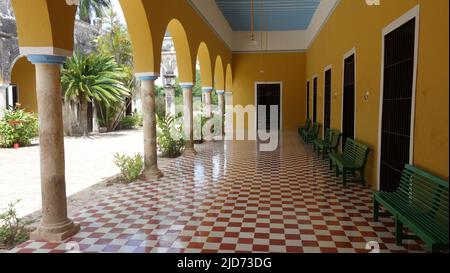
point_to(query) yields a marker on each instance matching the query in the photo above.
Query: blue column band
(147, 78)
(46, 59)
(207, 90)
(187, 85)
(220, 92)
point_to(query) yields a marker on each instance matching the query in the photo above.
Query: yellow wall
(288, 68)
(354, 24)
(44, 23)
(24, 76)
(49, 24)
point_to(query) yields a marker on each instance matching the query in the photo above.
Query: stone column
(151, 170)
(55, 225)
(170, 100)
(188, 117)
(208, 101)
(221, 97)
(3, 90)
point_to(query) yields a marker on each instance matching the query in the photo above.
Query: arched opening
(202, 90)
(229, 79)
(102, 99)
(219, 77)
(23, 84)
(168, 91)
(204, 60)
(182, 49)
(136, 18)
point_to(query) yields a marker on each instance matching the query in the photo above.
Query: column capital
(4, 85)
(229, 93)
(187, 85)
(147, 76)
(220, 92)
(46, 59)
(207, 89)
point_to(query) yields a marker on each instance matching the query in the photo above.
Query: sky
(118, 9)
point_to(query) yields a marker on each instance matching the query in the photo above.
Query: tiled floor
(231, 198)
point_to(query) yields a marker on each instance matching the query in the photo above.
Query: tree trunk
(84, 116)
(95, 126)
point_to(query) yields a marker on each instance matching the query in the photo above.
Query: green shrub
(131, 122)
(12, 228)
(130, 167)
(139, 119)
(128, 122)
(160, 106)
(17, 126)
(170, 136)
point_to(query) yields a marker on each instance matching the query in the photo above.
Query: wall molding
(51, 51)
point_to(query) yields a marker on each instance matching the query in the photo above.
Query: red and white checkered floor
(232, 198)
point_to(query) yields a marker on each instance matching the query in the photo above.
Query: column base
(152, 173)
(55, 233)
(190, 151)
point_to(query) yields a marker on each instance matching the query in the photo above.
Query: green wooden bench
(421, 204)
(329, 144)
(305, 128)
(312, 134)
(353, 160)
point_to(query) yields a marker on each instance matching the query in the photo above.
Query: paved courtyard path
(89, 160)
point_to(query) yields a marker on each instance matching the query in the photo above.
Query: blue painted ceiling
(277, 14)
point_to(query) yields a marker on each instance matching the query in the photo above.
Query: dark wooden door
(268, 95)
(348, 117)
(315, 100)
(397, 104)
(307, 100)
(12, 96)
(327, 101)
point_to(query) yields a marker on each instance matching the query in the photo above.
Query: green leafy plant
(12, 229)
(130, 167)
(17, 126)
(130, 122)
(115, 40)
(169, 135)
(88, 9)
(94, 77)
(139, 119)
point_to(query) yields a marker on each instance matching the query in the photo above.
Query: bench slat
(421, 203)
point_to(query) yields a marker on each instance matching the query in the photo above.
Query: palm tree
(115, 40)
(93, 78)
(89, 8)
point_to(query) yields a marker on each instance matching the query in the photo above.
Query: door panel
(397, 104)
(315, 100)
(327, 101)
(307, 101)
(268, 95)
(348, 118)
